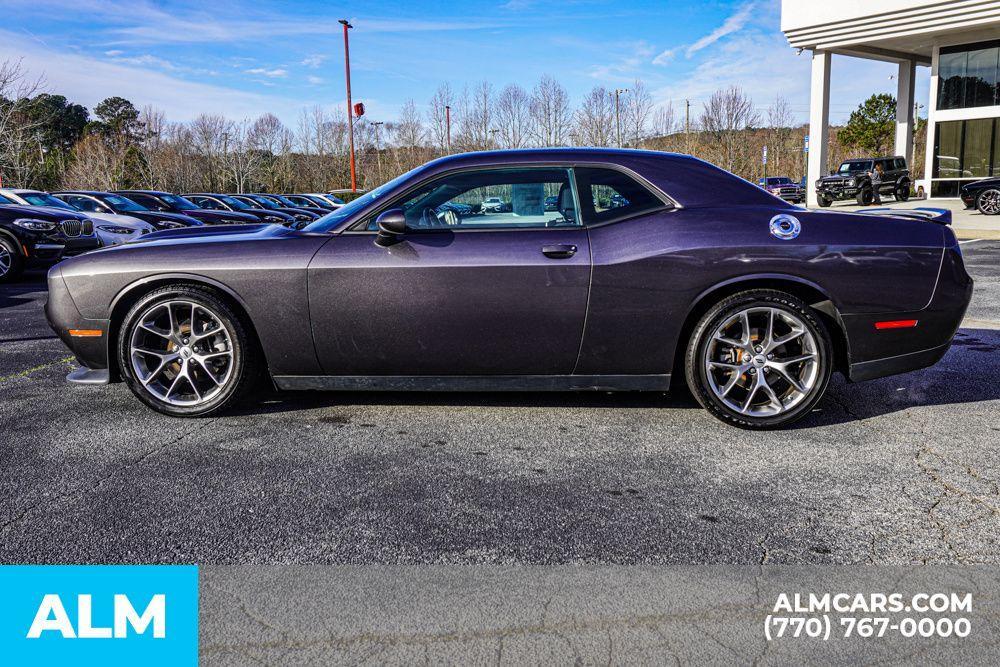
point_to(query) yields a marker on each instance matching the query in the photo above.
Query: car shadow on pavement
(963, 376)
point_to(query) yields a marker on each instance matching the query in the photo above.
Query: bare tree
(513, 116)
(779, 125)
(636, 113)
(17, 135)
(476, 117)
(595, 119)
(664, 123)
(725, 120)
(550, 112)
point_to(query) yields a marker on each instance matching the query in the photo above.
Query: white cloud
(146, 60)
(270, 73)
(315, 80)
(735, 22)
(113, 53)
(87, 80)
(314, 61)
(666, 56)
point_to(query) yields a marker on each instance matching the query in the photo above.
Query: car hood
(119, 219)
(45, 212)
(211, 234)
(208, 214)
(171, 217)
(982, 183)
(838, 178)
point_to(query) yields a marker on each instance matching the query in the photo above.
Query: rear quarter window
(608, 194)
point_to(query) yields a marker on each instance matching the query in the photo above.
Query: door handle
(559, 250)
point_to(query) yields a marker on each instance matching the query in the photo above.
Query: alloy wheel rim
(990, 202)
(5, 260)
(762, 362)
(181, 353)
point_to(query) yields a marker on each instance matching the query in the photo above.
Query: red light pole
(350, 109)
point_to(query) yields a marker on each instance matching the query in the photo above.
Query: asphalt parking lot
(900, 470)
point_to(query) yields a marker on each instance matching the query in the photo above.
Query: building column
(819, 123)
(931, 119)
(904, 110)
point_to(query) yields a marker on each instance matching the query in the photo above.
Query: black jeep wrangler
(853, 180)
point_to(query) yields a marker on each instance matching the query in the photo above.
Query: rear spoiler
(942, 216)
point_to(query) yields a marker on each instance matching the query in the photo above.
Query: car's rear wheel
(988, 202)
(759, 359)
(11, 262)
(184, 352)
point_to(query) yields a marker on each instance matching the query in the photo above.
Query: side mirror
(391, 226)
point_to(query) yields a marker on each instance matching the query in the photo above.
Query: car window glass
(492, 199)
(83, 203)
(4, 200)
(123, 204)
(607, 194)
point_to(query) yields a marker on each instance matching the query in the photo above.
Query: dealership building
(958, 39)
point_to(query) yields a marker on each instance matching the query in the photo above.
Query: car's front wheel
(865, 196)
(11, 262)
(824, 202)
(184, 352)
(759, 359)
(988, 202)
(902, 192)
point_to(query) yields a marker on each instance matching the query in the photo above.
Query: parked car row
(43, 227)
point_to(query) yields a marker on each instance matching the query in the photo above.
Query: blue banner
(99, 614)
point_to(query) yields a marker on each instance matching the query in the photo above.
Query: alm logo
(52, 617)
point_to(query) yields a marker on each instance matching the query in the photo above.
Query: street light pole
(350, 109)
(618, 118)
(447, 122)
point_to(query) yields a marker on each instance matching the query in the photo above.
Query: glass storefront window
(966, 149)
(951, 80)
(976, 148)
(981, 78)
(948, 150)
(969, 76)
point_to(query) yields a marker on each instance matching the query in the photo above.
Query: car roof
(94, 193)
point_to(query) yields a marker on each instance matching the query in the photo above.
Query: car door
(463, 292)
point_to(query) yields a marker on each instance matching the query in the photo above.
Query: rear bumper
(877, 353)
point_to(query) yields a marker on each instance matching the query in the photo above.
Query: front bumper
(87, 339)
(877, 353)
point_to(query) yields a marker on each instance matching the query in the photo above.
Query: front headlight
(114, 229)
(35, 225)
(819, 184)
(851, 182)
(273, 218)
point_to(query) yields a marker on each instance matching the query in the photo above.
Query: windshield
(178, 202)
(43, 199)
(235, 203)
(264, 202)
(779, 181)
(334, 218)
(855, 167)
(4, 200)
(123, 204)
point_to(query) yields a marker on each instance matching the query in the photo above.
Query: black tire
(246, 361)
(988, 201)
(865, 196)
(824, 202)
(11, 261)
(696, 374)
(902, 192)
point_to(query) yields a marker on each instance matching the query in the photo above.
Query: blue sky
(244, 58)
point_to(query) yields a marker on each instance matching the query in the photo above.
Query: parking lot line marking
(29, 371)
(968, 241)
